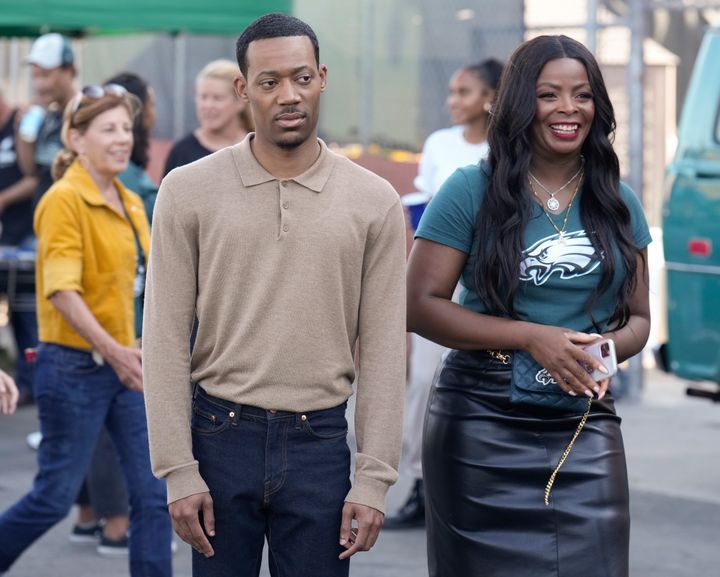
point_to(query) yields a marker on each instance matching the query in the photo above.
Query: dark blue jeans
(75, 397)
(272, 475)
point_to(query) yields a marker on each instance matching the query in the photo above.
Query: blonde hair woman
(93, 236)
(224, 118)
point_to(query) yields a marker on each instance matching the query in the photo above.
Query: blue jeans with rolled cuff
(75, 397)
(274, 475)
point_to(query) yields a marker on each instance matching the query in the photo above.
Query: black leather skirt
(486, 462)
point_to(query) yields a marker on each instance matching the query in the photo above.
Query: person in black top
(224, 118)
(16, 214)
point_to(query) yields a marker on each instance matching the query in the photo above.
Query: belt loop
(195, 390)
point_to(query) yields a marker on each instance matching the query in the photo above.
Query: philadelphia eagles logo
(544, 378)
(570, 256)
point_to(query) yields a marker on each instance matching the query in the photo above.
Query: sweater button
(286, 228)
(286, 204)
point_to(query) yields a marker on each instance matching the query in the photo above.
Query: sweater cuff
(369, 492)
(184, 482)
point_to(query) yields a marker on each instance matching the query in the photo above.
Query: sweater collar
(252, 172)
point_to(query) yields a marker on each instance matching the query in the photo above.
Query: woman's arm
(126, 361)
(433, 272)
(631, 339)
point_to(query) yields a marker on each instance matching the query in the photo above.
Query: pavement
(673, 458)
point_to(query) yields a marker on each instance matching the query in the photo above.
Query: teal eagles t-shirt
(556, 277)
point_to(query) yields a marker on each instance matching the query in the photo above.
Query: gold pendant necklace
(560, 231)
(552, 202)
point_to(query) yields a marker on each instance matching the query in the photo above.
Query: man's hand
(185, 515)
(363, 537)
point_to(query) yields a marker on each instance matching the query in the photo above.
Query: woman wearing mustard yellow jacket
(93, 236)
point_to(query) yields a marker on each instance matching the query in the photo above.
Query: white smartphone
(604, 351)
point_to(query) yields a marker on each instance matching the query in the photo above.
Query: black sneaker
(113, 547)
(86, 535)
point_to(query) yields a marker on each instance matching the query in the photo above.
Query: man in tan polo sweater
(289, 255)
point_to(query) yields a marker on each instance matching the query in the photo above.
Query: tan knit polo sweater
(285, 276)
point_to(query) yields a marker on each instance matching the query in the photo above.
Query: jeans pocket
(76, 363)
(208, 419)
(325, 427)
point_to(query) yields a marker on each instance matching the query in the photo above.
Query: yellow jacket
(84, 245)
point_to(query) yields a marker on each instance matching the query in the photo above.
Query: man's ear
(323, 76)
(240, 85)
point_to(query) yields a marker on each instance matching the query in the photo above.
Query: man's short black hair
(275, 25)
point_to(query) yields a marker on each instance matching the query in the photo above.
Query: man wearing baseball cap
(53, 74)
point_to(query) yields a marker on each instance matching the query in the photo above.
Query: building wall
(414, 46)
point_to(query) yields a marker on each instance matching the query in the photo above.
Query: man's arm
(25, 156)
(170, 296)
(380, 382)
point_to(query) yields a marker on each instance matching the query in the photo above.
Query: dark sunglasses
(95, 91)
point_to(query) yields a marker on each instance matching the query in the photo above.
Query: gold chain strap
(565, 454)
(504, 358)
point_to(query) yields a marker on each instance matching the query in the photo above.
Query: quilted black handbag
(532, 385)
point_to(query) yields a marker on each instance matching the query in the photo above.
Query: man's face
(51, 84)
(283, 87)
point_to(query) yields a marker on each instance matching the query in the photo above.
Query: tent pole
(179, 76)
(14, 69)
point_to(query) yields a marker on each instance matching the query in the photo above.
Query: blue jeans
(272, 475)
(75, 397)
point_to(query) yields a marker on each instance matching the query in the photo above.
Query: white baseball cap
(51, 51)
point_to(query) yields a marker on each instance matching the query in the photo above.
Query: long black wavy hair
(507, 205)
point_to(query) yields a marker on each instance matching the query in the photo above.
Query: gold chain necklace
(560, 231)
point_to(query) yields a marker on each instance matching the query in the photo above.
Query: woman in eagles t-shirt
(550, 248)
(224, 118)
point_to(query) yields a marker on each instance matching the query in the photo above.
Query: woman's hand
(560, 351)
(8, 394)
(127, 363)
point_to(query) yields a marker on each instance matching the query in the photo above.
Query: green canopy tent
(81, 17)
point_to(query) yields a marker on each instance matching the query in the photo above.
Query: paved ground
(673, 459)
